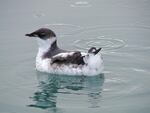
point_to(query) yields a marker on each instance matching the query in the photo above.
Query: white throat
(44, 45)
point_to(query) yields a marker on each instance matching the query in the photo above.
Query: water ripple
(106, 43)
(81, 4)
(131, 26)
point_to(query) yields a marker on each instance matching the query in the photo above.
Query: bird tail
(93, 50)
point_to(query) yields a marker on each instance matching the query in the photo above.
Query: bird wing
(68, 58)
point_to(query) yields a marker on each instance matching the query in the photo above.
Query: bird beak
(31, 35)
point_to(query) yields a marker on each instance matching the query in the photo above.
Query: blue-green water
(120, 27)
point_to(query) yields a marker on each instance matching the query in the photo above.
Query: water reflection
(53, 86)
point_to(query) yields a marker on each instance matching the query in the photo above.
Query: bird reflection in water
(51, 86)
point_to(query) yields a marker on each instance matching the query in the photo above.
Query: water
(120, 27)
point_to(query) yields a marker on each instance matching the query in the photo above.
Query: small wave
(81, 4)
(39, 15)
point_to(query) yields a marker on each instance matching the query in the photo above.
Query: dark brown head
(45, 37)
(42, 33)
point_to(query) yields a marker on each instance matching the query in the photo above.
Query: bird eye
(42, 35)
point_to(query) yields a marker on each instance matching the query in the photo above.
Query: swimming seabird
(51, 59)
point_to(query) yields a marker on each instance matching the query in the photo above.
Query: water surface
(120, 27)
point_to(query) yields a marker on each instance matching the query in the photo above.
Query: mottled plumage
(52, 59)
